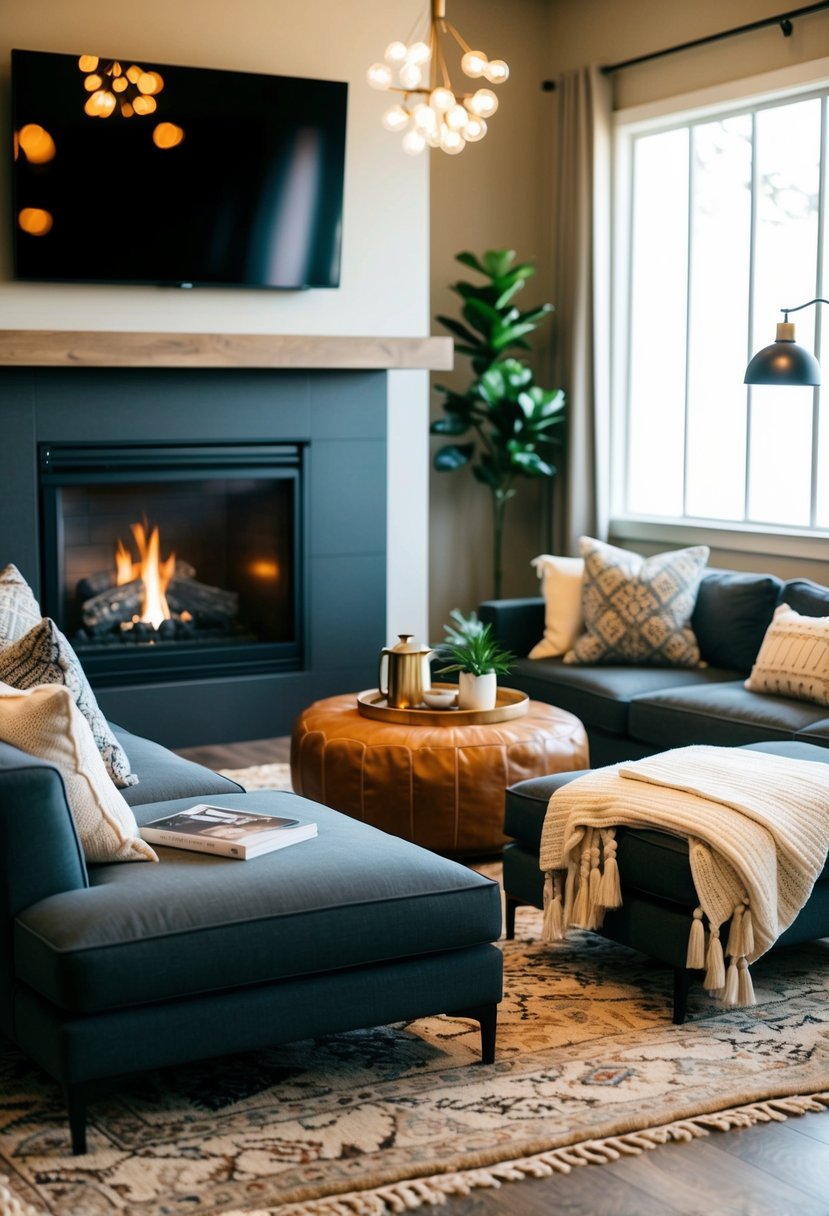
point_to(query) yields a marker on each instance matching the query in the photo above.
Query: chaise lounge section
(118, 967)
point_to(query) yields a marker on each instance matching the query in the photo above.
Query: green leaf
(535, 315)
(452, 424)
(453, 456)
(532, 465)
(508, 292)
(506, 335)
(469, 259)
(481, 316)
(498, 262)
(455, 327)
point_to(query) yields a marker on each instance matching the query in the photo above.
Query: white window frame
(788, 84)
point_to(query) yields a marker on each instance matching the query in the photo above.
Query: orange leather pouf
(438, 786)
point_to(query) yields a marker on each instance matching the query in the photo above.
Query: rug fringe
(410, 1194)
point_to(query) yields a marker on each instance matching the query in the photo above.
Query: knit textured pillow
(636, 609)
(19, 610)
(44, 656)
(45, 722)
(793, 660)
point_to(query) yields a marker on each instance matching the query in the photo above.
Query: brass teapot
(407, 672)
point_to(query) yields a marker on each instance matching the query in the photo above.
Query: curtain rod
(784, 20)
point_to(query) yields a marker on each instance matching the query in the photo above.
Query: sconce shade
(784, 362)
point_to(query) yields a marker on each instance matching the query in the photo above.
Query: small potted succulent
(477, 658)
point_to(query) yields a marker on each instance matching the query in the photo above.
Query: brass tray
(509, 703)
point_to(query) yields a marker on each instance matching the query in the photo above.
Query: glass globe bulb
(433, 138)
(483, 103)
(496, 72)
(395, 119)
(413, 142)
(456, 118)
(379, 76)
(425, 118)
(475, 129)
(419, 53)
(395, 53)
(474, 63)
(410, 75)
(442, 99)
(452, 142)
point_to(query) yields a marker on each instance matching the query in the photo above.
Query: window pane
(718, 336)
(788, 177)
(656, 421)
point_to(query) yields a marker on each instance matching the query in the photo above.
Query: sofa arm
(40, 854)
(517, 624)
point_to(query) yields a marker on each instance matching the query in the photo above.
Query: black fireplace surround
(267, 486)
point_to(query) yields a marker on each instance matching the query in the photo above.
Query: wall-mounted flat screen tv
(140, 172)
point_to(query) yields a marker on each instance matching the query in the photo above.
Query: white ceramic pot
(477, 692)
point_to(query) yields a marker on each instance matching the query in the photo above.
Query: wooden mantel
(78, 348)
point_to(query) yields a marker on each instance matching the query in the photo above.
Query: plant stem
(499, 506)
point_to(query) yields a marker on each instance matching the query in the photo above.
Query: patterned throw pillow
(19, 610)
(44, 656)
(636, 609)
(45, 722)
(793, 660)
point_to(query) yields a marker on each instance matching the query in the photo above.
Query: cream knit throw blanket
(757, 827)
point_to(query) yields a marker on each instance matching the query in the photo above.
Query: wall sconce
(784, 362)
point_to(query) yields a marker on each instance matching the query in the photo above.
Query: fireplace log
(93, 584)
(207, 605)
(107, 610)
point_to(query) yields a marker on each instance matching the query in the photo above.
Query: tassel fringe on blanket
(405, 1196)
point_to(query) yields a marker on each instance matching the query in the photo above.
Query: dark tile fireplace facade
(268, 489)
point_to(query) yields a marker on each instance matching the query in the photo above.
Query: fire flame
(154, 573)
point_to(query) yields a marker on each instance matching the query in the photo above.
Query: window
(722, 226)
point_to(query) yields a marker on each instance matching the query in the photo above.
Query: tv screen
(225, 179)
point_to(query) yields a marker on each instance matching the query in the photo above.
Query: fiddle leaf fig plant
(515, 425)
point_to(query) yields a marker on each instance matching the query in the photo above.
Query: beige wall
(495, 195)
(384, 289)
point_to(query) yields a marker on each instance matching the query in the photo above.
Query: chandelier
(430, 111)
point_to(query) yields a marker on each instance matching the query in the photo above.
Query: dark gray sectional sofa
(630, 712)
(114, 968)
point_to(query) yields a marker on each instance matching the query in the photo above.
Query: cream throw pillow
(561, 585)
(45, 722)
(793, 660)
(637, 609)
(19, 610)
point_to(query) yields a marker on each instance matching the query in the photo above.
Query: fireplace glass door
(174, 560)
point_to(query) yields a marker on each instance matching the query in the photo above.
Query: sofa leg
(509, 916)
(487, 1018)
(682, 982)
(76, 1106)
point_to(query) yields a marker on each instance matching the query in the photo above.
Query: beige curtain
(581, 294)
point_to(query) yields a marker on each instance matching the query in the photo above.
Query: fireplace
(165, 561)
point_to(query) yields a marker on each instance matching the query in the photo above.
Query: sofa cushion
(600, 695)
(45, 722)
(636, 609)
(794, 658)
(562, 579)
(805, 596)
(197, 923)
(44, 656)
(164, 775)
(731, 615)
(725, 715)
(19, 610)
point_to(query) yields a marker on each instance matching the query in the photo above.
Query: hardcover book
(227, 832)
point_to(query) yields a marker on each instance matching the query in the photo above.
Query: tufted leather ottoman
(441, 787)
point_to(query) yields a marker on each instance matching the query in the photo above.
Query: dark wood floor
(780, 1169)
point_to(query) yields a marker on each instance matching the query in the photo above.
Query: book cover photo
(227, 832)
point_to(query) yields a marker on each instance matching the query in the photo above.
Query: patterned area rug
(589, 1068)
(261, 776)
